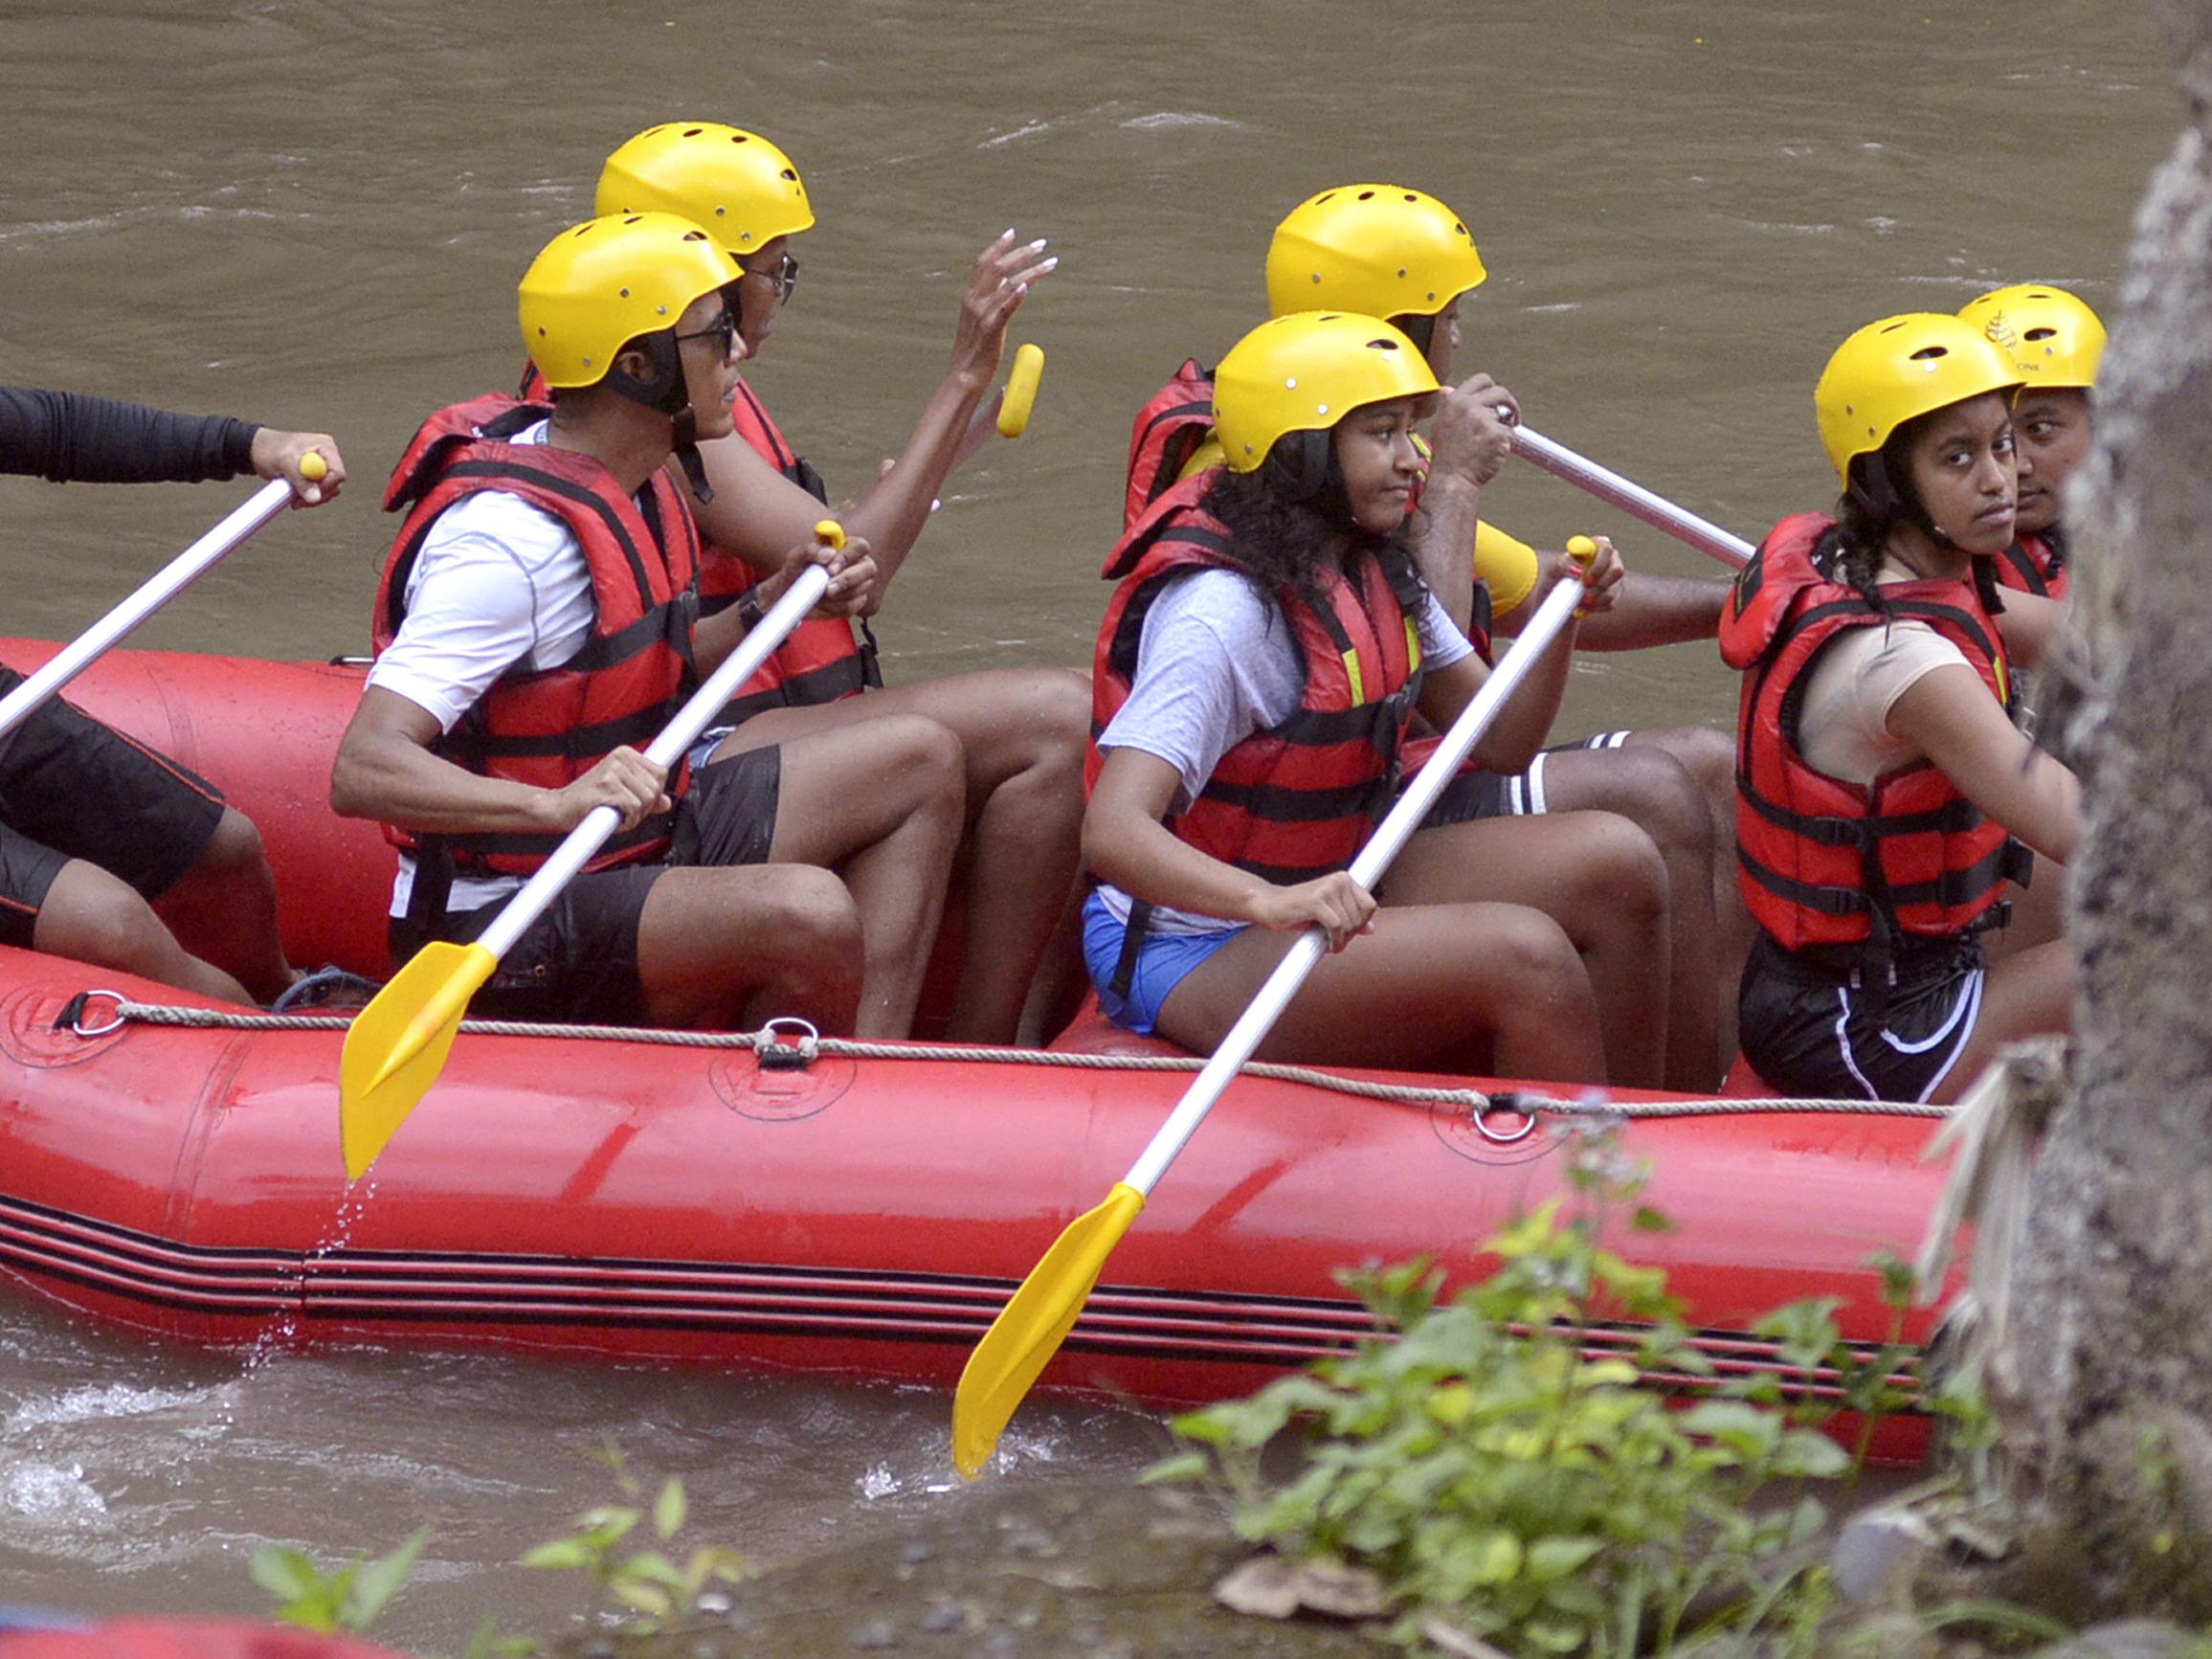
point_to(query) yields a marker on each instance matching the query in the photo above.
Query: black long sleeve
(66, 435)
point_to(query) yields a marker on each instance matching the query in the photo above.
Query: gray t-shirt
(1218, 662)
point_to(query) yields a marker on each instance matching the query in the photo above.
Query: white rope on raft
(1472, 1100)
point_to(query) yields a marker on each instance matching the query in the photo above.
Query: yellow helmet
(2052, 338)
(607, 281)
(735, 183)
(1897, 369)
(1306, 372)
(1381, 248)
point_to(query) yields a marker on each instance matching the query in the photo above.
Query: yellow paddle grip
(313, 467)
(1581, 550)
(830, 534)
(1020, 390)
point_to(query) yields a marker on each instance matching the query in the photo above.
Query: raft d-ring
(1510, 1103)
(794, 1056)
(73, 1015)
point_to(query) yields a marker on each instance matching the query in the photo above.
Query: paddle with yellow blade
(157, 591)
(1030, 1328)
(397, 1046)
(1632, 498)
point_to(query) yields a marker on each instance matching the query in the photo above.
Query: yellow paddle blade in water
(1030, 1329)
(397, 1046)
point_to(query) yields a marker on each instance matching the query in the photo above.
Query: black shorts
(1809, 1030)
(1479, 794)
(579, 962)
(72, 788)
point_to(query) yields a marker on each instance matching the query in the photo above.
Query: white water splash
(878, 1483)
(1170, 120)
(45, 1492)
(83, 1404)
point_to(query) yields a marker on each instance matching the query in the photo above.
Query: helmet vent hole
(739, 136)
(2042, 333)
(1383, 345)
(693, 132)
(791, 175)
(1317, 276)
(1402, 270)
(1365, 195)
(1929, 355)
(721, 213)
(1411, 198)
(625, 292)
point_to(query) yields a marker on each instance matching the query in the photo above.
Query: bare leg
(879, 802)
(91, 916)
(1600, 878)
(1021, 734)
(225, 904)
(1431, 983)
(1709, 758)
(725, 948)
(1655, 792)
(2028, 993)
(2037, 911)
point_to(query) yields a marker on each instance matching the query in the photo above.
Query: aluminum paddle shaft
(173, 579)
(1632, 498)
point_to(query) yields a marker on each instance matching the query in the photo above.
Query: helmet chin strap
(685, 439)
(665, 393)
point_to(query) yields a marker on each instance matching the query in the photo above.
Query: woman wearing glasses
(1022, 731)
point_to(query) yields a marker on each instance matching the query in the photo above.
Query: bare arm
(385, 770)
(1524, 720)
(757, 513)
(1650, 611)
(1950, 715)
(2030, 624)
(1126, 843)
(1469, 441)
(852, 579)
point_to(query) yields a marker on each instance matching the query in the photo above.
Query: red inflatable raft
(617, 1198)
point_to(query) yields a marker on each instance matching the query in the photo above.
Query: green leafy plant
(1507, 1486)
(647, 1583)
(350, 1598)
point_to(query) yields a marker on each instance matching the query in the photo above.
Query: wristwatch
(749, 610)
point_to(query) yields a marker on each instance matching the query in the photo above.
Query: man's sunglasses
(784, 278)
(722, 332)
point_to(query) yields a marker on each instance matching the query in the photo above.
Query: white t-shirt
(496, 582)
(1218, 662)
(1843, 714)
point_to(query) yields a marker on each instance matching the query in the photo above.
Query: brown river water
(313, 215)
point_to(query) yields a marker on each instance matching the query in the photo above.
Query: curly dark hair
(1279, 532)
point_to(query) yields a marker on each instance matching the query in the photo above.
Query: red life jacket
(1825, 862)
(820, 661)
(549, 726)
(1176, 422)
(2036, 565)
(1297, 802)
(1168, 431)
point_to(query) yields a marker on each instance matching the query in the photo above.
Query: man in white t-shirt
(538, 626)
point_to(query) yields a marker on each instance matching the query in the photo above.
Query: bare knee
(1617, 866)
(1530, 954)
(1669, 803)
(820, 955)
(233, 850)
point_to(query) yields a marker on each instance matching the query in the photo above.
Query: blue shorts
(1163, 960)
